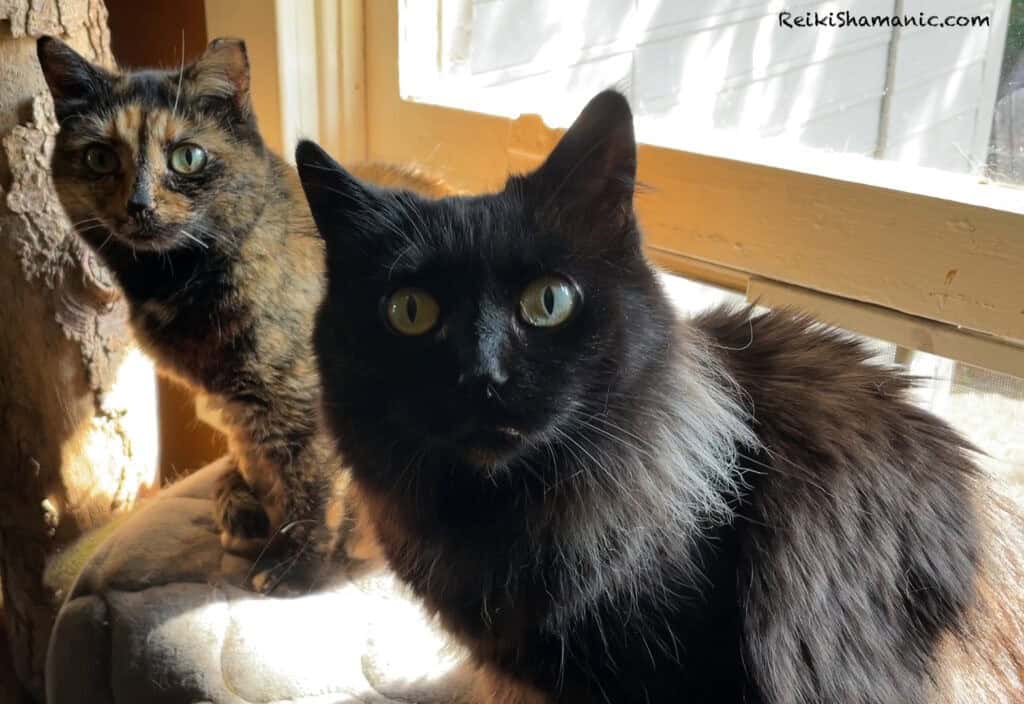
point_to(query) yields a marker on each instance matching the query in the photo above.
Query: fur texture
(222, 269)
(625, 507)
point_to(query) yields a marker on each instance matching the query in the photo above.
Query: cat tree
(77, 400)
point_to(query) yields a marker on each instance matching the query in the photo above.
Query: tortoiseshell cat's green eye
(411, 311)
(188, 159)
(101, 160)
(549, 301)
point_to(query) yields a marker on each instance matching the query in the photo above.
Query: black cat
(606, 503)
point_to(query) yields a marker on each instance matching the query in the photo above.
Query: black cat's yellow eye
(411, 311)
(101, 159)
(549, 301)
(188, 159)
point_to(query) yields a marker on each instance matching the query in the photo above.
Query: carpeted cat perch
(155, 616)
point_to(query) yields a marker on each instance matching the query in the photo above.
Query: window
(855, 81)
(939, 252)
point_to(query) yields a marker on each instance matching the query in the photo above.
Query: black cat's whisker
(401, 255)
(588, 422)
(407, 477)
(605, 466)
(413, 215)
(602, 416)
(577, 459)
(397, 231)
(320, 167)
(322, 187)
(530, 469)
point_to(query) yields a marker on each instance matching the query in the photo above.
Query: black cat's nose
(483, 356)
(485, 380)
(488, 379)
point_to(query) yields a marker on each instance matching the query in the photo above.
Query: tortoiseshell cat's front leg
(243, 523)
(317, 532)
(240, 512)
(324, 553)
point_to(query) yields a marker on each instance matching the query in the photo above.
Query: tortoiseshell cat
(608, 504)
(165, 175)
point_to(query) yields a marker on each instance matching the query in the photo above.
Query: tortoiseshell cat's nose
(140, 205)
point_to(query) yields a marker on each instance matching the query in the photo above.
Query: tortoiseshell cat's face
(156, 159)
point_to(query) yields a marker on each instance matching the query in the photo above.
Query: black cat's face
(483, 326)
(152, 159)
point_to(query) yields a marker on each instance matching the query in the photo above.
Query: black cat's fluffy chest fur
(604, 503)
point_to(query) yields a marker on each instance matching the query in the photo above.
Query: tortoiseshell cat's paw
(297, 562)
(287, 568)
(244, 526)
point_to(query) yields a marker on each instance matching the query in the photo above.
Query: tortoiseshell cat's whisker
(90, 228)
(181, 75)
(282, 530)
(194, 239)
(101, 245)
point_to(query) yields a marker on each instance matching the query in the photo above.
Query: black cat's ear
(342, 207)
(593, 167)
(69, 75)
(223, 72)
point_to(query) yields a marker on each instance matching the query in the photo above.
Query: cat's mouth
(148, 235)
(490, 446)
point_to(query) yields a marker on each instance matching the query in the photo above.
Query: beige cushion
(156, 615)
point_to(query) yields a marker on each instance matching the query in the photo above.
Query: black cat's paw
(244, 526)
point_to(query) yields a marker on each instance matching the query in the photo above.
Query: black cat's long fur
(737, 508)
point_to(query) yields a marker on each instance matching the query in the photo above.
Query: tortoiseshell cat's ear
(69, 75)
(592, 169)
(223, 72)
(344, 209)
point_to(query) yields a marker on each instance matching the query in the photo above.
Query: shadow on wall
(728, 68)
(1006, 151)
